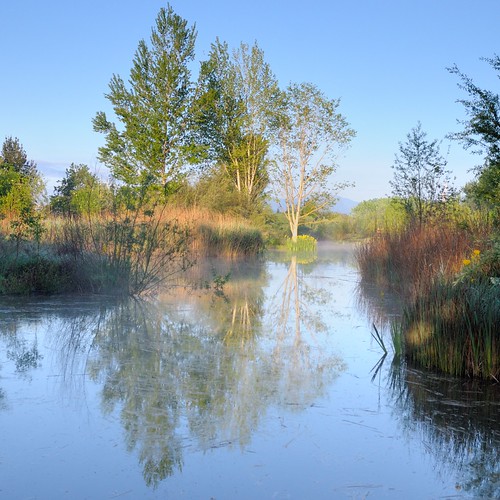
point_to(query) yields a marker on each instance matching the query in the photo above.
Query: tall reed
(450, 293)
(454, 328)
(409, 261)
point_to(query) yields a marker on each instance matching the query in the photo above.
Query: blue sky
(385, 59)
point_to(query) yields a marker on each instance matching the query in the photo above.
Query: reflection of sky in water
(201, 396)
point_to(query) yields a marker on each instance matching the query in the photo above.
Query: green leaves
(153, 111)
(236, 98)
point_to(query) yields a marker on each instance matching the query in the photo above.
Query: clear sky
(385, 59)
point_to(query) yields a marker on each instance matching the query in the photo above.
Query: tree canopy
(79, 192)
(236, 98)
(150, 143)
(21, 185)
(481, 134)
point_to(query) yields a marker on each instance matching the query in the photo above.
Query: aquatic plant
(450, 285)
(304, 243)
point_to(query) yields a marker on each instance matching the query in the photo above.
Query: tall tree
(310, 134)
(420, 179)
(481, 134)
(237, 95)
(149, 146)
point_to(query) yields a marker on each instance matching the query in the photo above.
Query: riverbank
(117, 254)
(449, 282)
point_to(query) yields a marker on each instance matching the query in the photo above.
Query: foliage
(482, 129)
(236, 99)
(150, 146)
(481, 134)
(484, 192)
(213, 191)
(421, 181)
(21, 186)
(310, 131)
(35, 274)
(13, 155)
(79, 192)
(373, 216)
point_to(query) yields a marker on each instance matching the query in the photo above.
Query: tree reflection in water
(199, 371)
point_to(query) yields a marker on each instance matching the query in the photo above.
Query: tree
(151, 145)
(79, 192)
(481, 134)
(310, 133)
(14, 156)
(421, 181)
(21, 186)
(379, 214)
(237, 95)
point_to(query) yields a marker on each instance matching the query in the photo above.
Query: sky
(385, 60)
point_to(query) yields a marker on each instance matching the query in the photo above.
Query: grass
(450, 319)
(128, 253)
(219, 235)
(455, 329)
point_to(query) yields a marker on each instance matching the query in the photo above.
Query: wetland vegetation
(192, 175)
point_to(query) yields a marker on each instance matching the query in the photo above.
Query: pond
(267, 385)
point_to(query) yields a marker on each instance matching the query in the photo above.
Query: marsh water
(266, 385)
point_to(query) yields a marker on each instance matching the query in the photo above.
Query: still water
(269, 387)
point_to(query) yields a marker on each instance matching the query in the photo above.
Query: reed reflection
(458, 420)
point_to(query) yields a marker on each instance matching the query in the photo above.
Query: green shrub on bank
(34, 274)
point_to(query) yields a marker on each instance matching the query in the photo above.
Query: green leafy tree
(310, 133)
(236, 98)
(485, 190)
(79, 192)
(420, 179)
(150, 145)
(21, 186)
(380, 214)
(481, 135)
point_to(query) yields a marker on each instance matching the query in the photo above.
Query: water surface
(266, 388)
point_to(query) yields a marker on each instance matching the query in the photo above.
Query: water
(266, 389)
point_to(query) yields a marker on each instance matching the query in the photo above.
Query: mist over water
(272, 387)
